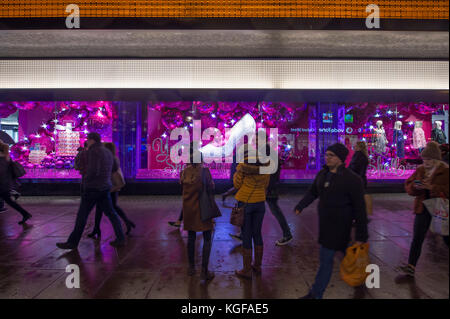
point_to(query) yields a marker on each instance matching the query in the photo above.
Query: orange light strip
(401, 9)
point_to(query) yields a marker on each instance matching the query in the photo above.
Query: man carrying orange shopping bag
(341, 200)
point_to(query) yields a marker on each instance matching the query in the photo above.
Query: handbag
(237, 213)
(17, 170)
(208, 206)
(369, 204)
(117, 180)
(353, 266)
(438, 208)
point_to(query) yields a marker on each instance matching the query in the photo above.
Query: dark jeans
(253, 220)
(323, 276)
(6, 197)
(278, 213)
(90, 198)
(207, 244)
(180, 218)
(421, 225)
(119, 211)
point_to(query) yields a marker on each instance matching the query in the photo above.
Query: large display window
(47, 135)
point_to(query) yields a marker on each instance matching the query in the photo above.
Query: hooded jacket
(341, 202)
(250, 183)
(439, 185)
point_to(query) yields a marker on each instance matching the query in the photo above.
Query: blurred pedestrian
(358, 165)
(96, 233)
(6, 180)
(341, 200)
(96, 186)
(191, 181)
(430, 180)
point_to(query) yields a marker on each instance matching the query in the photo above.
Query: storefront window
(46, 136)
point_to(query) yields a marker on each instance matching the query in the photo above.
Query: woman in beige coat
(191, 181)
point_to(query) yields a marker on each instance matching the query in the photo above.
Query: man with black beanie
(341, 200)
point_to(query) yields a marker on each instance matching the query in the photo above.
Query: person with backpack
(6, 180)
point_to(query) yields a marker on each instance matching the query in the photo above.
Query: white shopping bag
(438, 208)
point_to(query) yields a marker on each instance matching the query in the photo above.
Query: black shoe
(174, 224)
(117, 243)
(25, 218)
(191, 271)
(130, 226)
(96, 234)
(236, 236)
(66, 246)
(308, 296)
(407, 270)
(284, 241)
(207, 275)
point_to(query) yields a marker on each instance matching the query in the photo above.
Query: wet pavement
(154, 261)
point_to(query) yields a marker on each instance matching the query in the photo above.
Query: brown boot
(246, 272)
(258, 259)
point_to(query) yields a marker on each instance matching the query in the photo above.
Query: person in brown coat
(430, 180)
(191, 181)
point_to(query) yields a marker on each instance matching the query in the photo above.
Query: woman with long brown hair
(96, 233)
(430, 180)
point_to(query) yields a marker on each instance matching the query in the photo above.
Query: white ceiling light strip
(223, 74)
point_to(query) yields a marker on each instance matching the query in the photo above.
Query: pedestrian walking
(6, 180)
(96, 232)
(95, 190)
(341, 200)
(430, 180)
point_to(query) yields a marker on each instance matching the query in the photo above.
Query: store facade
(48, 134)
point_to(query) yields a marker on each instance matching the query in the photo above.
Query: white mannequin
(437, 134)
(380, 139)
(398, 125)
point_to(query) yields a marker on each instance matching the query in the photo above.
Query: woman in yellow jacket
(251, 186)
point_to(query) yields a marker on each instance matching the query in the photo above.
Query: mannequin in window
(419, 141)
(437, 134)
(380, 139)
(398, 140)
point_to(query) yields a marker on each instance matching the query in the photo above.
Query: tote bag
(353, 266)
(438, 208)
(208, 206)
(118, 181)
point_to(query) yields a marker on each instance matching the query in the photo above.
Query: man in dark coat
(341, 199)
(95, 190)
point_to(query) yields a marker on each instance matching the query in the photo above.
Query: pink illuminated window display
(304, 131)
(50, 134)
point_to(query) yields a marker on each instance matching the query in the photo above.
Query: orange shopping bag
(353, 266)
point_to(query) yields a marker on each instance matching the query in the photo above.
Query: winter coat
(5, 175)
(339, 204)
(99, 167)
(438, 181)
(191, 181)
(359, 165)
(250, 183)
